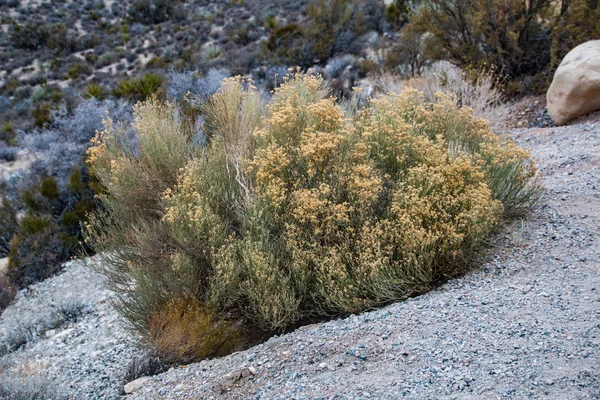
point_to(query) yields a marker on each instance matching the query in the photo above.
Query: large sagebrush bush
(307, 211)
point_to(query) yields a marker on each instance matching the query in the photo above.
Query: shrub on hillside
(305, 212)
(520, 40)
(333, 26)
(51, 229)
(137, 89)
(149, 12)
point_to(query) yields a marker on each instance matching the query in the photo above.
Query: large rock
(575, 90)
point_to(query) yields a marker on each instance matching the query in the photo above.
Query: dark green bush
(50, 232)
(95, 90)
(31, 36)
(140, 88)
(152, 11)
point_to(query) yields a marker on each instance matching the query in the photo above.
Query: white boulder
(575, 89)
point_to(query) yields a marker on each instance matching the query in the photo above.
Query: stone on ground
(575, 90)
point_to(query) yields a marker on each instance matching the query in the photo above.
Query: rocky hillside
(524, 324)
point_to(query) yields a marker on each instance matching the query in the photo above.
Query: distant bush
(203, 87)
(8, 225)
(31, 36)
(50, 231)
(332, 27)
(149, 12)
(140, 88)
(305, 212)
(96, 91)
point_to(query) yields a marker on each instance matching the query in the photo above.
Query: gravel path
(524, 325)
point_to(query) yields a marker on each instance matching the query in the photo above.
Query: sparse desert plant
(8, 225)
(306, 211)
(211, 52)
(140, 88)
(31, 36)
(96, 91)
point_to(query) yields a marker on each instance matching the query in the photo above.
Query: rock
(576, 85)
(252, 370)
(135, 385)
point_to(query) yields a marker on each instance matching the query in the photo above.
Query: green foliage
(8, 134)
(306, 211)
(50, 231)
(140, 88)
(41, 114)
(95, 90)
(78, 69)
(49, 188)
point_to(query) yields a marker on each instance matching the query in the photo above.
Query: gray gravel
(526, 324)
(69, 338)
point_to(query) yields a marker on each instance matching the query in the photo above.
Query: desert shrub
(331, 28)
(41, 114)
(8, 225)
(78, 69)
(51, 229)
(149, 12)
(31, 36)
(305, 212)
(140, 88)
(8, 134)
(96, 91)
(577, 22)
